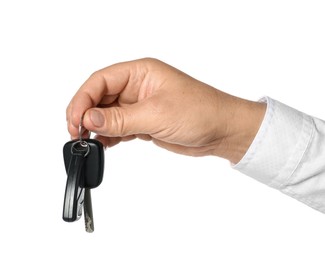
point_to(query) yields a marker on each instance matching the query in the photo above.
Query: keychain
(84, 164)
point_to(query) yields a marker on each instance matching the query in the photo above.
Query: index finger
(109, 81)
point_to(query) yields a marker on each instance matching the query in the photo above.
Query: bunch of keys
(84, 164)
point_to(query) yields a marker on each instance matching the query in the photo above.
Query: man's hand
(151, 100)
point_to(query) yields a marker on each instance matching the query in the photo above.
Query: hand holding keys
(84, 164)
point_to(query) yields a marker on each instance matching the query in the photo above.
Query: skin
(152, 100)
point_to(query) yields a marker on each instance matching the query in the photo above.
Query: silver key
(88, 212)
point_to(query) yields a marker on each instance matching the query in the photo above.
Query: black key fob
(84, 164)
(94, 162)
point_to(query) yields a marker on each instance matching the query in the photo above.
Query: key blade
(88, 212)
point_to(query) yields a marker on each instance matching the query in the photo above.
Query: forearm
(288, 154)
(243, 119)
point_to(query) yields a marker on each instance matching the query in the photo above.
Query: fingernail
(97, 118)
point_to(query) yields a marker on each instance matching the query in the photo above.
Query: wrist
(243, 120)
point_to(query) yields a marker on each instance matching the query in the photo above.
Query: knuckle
(149, 61)
(96, 74)
(97, 77)
(116, 122)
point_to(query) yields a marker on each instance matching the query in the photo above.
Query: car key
(84, 163)
(88, 212)
(74, 157)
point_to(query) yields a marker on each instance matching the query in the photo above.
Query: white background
(152, 204)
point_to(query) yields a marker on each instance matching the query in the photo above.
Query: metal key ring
(83, 144)
(80, 130)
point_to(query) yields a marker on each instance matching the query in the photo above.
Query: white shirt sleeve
(288, 154)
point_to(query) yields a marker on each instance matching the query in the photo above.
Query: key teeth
(88, 224)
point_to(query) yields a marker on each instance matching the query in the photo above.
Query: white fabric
(288, 154)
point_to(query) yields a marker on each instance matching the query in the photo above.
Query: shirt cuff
(277, 156)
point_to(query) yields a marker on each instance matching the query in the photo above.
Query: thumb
(119, 121)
